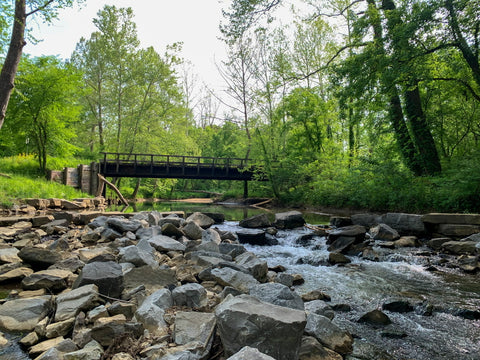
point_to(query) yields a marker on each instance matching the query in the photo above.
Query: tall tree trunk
(430, 160)
(404, 140)
(427, 154)
(14, 54)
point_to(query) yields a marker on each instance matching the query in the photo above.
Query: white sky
(159, 23)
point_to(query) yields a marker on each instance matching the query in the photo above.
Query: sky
(159, 23)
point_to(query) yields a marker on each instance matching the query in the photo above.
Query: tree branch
(462, 82)
(40, 8)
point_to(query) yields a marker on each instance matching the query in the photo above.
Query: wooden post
(245, 189)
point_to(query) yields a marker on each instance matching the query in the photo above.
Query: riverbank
(191, 273)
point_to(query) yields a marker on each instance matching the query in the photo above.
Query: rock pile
(159, 286)
(150, 286)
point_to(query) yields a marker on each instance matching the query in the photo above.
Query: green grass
(25, 181)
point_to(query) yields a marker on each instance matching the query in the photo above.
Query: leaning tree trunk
(10, 66)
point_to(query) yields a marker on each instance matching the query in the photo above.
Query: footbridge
(178, 167)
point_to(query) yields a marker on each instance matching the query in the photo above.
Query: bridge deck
(175, 166)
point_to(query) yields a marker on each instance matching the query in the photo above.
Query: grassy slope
(24, 181)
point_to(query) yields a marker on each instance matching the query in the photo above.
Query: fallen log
(104, 181)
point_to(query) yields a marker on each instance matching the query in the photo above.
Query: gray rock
(461, 247)
(191, 295)
(201, 220)
(152, 277)
(211, 235)
(252, 236)
(195, 327)
(57, 329)
(384, 232)
(249, 353)
(312, 350)
(258, 268)
(107, 276)
(289, 220)
(106, 330)
(51, 354)
(69, 304)
(319, 307)
(375, 317)
(169, 229)
(123, 225)
(405, 224)
(329, 334)
(122, 308)
(15, 274)
(231, 249)
(173, 219)
(151, 311)
(273, 330)
(164, 243)
(9, 255)
(22, 315)
(72, 264)
(38, 257)
(53, 280)
(92, 351)
(277, 294)
(256, 221)
(138, 255)
(342, 244)
(356, 231)
(233, 278)
(366, 220)
(149, 232)
(284, 279)
(192, 230)
(336, 258)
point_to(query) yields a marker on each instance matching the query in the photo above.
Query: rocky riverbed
(93, 285)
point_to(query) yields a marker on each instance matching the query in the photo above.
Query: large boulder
(256, 221)
(24, 314)
(274, 330)
(277, 294)
(289, 220)
(69, 304)
(405, 224)
(192, 230)
(107, 276)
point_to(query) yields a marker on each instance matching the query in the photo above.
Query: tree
(47, 10)
(45, 104)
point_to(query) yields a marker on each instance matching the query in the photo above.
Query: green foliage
(20, 187)
(42, 110)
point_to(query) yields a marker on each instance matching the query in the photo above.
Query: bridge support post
(245, 189)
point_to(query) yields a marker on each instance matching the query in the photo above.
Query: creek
(435, 330)
(365, 285)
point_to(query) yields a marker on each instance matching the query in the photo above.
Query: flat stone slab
(24, 314)
(438, 218)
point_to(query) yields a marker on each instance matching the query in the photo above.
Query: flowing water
(399, 275)
(365, 285)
